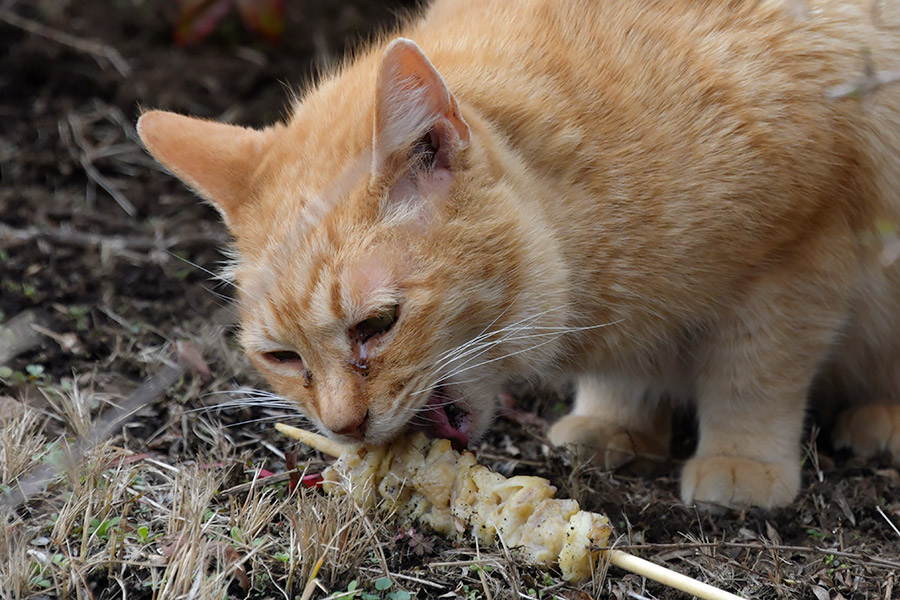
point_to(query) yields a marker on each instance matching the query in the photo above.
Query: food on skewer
(428, 482)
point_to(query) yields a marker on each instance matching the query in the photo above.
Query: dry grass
(186, 512)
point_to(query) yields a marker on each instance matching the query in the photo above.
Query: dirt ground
(114, 259)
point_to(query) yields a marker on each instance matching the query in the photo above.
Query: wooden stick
(623, 560)
(666, 576)
(313, 440)
(96, 49)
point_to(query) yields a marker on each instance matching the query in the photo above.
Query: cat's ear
(414, 105)
(215, 159)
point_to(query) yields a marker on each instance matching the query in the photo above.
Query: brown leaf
(190, 353)
(227, 555)
(820, 593)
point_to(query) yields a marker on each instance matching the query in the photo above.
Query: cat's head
(382, 270)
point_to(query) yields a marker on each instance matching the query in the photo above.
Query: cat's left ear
(215, 159)
(413, 106)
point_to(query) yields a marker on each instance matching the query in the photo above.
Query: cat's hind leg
(866, 369)
(870, 430)
(614, 423)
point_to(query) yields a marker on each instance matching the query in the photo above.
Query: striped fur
(658, 197)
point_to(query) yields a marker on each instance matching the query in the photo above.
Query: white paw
(608, 445)
(737, 481)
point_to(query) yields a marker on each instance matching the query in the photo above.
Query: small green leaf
(236, 534)
(5, 372)
(143, 533)
(34, 370)
(383, 583)
(352, 586)
(399, 595)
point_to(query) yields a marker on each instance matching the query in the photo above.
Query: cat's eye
(377, 324)
(283, 357)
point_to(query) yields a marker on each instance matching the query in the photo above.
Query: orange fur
(655, 197)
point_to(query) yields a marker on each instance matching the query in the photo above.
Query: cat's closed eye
(283, 357)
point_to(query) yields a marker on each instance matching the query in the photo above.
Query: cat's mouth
(444, 417)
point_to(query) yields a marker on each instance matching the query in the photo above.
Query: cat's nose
(351, 424)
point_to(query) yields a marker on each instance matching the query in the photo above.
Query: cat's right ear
(412, 100)
(215, 159)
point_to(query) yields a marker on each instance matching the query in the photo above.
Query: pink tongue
(438, 425)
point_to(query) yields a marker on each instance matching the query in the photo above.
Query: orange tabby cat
(659, 198)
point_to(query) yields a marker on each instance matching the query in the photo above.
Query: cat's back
(703, 83)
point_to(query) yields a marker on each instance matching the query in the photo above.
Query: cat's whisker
(477, 347)
(247, 398)
(215, 276)
(281, 418)
(508, 355)
(485, 347)
(225, 298)
(486, 332)
(442, 383)
(484, 335)
(552, 331)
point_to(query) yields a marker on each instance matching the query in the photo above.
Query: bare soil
(115, 258)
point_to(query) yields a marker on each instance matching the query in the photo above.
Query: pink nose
(352, 424)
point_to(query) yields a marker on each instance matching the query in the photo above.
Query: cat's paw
(870, 430)
(737, 481)
(607, 444)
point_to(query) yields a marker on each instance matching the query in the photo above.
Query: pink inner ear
(411, 98)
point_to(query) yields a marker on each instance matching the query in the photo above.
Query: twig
(75, 128)
(18, 334)
(863, 558)
(260, 483)
(110, 243)
(95, 49)
(405, 577)
(889, 522)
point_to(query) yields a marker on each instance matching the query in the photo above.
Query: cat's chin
(444, 416)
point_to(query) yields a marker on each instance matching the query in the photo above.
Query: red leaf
(198, 18)
(263, 17)
(313, 481)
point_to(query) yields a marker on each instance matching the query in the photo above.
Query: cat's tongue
(442, 419)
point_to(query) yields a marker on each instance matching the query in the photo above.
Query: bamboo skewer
(313, 440)
(620, 559)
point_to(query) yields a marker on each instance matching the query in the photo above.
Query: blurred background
(92, 233)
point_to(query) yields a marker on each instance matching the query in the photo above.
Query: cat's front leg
(752, 382)
(615, 422)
